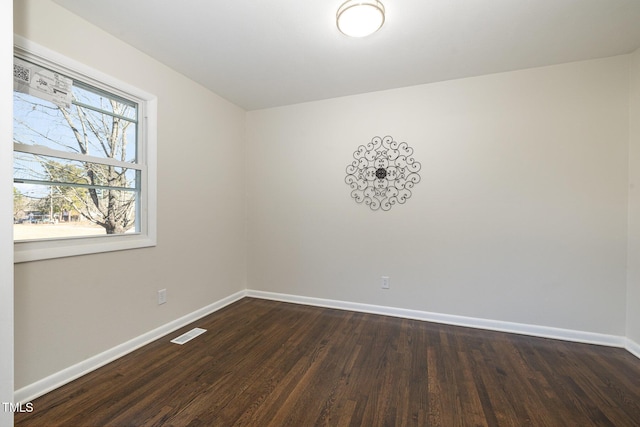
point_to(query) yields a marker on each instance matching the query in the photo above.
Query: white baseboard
(71, 373)
(493, 325)
(633, 348)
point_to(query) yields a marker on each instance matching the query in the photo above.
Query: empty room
(268, 213)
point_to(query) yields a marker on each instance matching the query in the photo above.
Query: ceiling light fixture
(359, 18)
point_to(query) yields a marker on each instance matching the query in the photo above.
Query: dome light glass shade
(360, 18)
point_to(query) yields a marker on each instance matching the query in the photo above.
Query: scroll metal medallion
(383, 173)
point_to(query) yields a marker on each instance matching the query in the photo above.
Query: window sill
(60, 248)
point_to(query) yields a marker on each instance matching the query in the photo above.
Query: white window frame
(34, 250)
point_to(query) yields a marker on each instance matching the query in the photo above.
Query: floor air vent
(188, 336)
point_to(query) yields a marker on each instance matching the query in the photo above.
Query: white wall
(521, 214)
(6, 215)
(67, 310)
(633, 291)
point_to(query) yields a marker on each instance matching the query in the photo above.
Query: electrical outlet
(385, 282)
(162, 296)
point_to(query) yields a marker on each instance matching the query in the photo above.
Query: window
(84, 159)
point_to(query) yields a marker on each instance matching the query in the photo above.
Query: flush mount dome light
(360, 18)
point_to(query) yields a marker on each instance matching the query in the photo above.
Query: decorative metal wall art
(383, 173)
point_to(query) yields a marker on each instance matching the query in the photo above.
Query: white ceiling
(266, 53)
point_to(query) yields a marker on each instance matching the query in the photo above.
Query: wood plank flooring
(266, 363)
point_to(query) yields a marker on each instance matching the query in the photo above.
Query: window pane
(110, 137)
(77, 129)
(40, 122)
(44, 211)
(35, 167)
(102, 100)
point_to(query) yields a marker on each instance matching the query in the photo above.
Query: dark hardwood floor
(265, 363)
